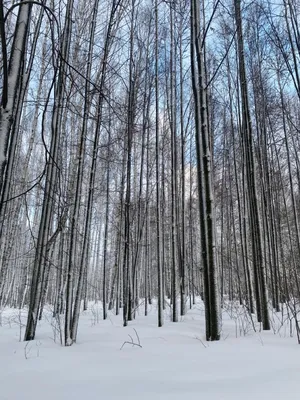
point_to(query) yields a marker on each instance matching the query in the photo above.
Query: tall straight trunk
(191, 226)
(120, 250)
(106, 225)
(255, 223)
(78, 186)
(142, 203)
(174, 226)
(158, 196)
(147, 228)
(127, 266)
(182, 134)
(205, 190)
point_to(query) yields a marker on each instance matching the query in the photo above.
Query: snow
(174, 361)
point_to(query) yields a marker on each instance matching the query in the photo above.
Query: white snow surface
(175, 362)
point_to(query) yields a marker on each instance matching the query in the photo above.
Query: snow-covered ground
(173, 363)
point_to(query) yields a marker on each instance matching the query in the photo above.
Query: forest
(149, 158)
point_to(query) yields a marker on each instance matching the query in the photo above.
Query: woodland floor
(173, 363)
